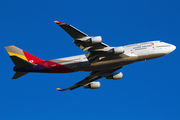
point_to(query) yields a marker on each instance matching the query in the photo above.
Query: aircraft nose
(172, 48)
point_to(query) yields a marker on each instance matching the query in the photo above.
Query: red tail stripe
(31, 57)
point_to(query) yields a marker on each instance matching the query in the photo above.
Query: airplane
(101, 59)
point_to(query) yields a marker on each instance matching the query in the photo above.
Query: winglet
(58, 22)
(59, 89)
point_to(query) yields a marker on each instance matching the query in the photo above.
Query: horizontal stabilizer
(19, 74)
(21, 63)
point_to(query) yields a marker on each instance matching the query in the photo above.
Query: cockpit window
(160, 41)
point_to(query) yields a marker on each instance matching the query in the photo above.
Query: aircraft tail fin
(15, 51)
(21, 59)
(19, 74)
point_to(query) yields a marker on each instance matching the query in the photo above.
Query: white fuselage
(132, 53)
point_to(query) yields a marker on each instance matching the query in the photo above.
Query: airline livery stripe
(18, 55)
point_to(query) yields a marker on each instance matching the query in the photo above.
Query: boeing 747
(101, 59)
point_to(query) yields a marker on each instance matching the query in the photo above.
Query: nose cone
(170, 49)
(173, 47)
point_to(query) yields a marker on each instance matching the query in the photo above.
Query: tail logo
(31, 61)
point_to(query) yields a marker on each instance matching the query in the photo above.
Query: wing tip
(58, 22)
(59, 89)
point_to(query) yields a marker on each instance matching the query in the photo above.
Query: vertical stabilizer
(15, 51)
(21, 59)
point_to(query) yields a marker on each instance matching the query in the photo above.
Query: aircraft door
(132, 51)
(153, 46)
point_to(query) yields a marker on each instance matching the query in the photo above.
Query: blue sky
(149, 89)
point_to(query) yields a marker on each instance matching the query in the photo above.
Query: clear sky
(150, 90)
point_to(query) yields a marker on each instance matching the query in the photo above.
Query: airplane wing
(82, 40)
(94, 75)
(92, 44)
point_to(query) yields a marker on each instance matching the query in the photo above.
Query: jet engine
(115, 76)
(94, 40)
(117, 50)
(93, 85)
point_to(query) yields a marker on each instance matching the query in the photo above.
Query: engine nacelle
(117, 50)
(93, 85)
(115, 76)
(94, 40)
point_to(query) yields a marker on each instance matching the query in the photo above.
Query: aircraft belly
(76, 65)
(150, 56)
(87, 66)
(110, 63)
(119, 62)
